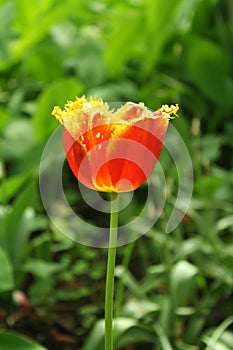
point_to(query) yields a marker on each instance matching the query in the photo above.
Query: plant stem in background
(109, 290)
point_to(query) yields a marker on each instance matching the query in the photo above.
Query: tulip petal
(112, 150)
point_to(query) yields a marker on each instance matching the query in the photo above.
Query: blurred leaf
(36, 64)
(208, 186)
(140, 308)
(89, 65)
(5, 116)
(118, 51)
(138, 335)
(56, 94)
(12, 185)
(18, 137)
(224, 223)
(41, 268)
(7, 12)
(211, 147)
(160, 30)
(13, 341)
(17, 226)
(209, 262)
(163, 339)
(6, 273)
(47, 13)
(118, 91)
(214, 339)
(209, 68)
(185, 15)
(42, 291)
(129, 281)
(182, 282)
(95, 340)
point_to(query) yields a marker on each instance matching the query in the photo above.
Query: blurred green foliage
(174, 291)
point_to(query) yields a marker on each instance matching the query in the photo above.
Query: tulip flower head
(112, 150)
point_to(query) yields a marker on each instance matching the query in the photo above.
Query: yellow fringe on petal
(71, 108)
(167, 111)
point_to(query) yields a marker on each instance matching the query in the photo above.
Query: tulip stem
(109, 290)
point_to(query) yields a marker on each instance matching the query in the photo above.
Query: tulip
(112, 151)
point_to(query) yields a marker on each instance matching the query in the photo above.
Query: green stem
(109, 290)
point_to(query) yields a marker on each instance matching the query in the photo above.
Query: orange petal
(116, 157)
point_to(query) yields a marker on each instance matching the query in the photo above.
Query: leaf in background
(45, 13)
(4, 117)
(163, 339)
(182, 282)
(89, 64)
(140, 308)
(211, 147)
(159, 27)
(7, 12)
(17, 223)
(36, 64)
(12, 185)
(117, 51)
(13, 341)
(42, 269)
(220, 338)
(95, 341)
(118, 91)
(6, 274)
(138, 335)
(209, 69)
(18, 138)
(56, 94)
(225, 222)
(129, 281)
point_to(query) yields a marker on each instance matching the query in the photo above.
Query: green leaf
(13, 341)
(56, 94)
(96, 339)
(137, 335)
(46, 13)
(117, 51)
(159, 28)
(42, 269)
(219, 338)
(17, 223)
(182, 282)
(140, 308)
(6, 273)
(18, 137)
(89, 65)
(7, 12)
(209, 68)
(129, 281)
(163, 339)
(10, 186)
(225, 222)
(4, 117)
(211, 147)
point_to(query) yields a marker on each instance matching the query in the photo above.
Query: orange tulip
(112, 151)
